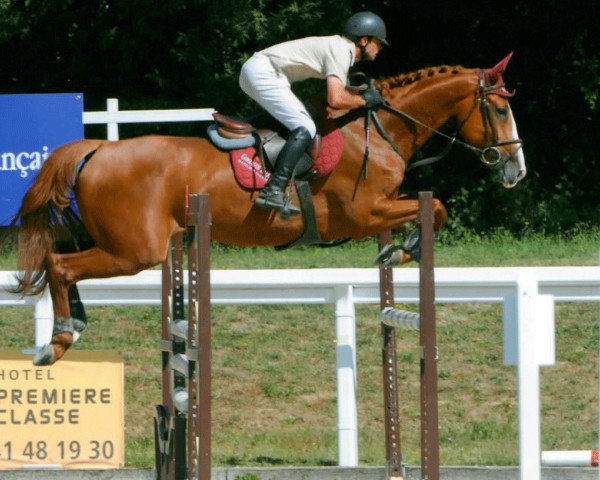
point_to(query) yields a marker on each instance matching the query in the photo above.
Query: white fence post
(44, 318)
(112, 128)
(346, 376)
(529, 344)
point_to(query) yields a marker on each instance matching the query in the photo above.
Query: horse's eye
(502, 111)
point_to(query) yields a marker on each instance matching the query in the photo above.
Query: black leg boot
(272, 196)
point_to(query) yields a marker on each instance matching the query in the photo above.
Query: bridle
(489, 155)
(494, 143)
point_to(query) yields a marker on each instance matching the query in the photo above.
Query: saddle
(232, 133)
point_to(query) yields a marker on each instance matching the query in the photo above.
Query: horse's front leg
(393, 213)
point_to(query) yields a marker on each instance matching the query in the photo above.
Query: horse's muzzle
(509, 171)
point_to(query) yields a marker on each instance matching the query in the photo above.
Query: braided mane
(405, 79)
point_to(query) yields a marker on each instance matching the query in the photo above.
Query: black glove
(372, 96)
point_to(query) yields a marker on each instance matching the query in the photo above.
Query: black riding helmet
(365, 24)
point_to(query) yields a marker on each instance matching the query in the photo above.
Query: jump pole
(183, 420)
(425, 322)
(570, 458)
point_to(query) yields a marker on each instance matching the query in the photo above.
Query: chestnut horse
(131, 194)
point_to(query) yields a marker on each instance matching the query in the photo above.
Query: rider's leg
(272, 196)
(272, 91)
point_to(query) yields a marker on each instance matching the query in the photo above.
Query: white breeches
(273, 92)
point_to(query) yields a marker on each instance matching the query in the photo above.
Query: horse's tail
(50, 193)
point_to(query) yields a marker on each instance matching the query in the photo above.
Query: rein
(489, 155)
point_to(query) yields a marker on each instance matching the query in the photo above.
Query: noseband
(490, 154)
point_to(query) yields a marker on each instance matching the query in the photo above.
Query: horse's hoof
(389, 256)
(79, 325)
(399, 257)
(45, 356)
(412, 244)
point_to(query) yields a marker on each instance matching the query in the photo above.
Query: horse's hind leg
(75, 240)
(63, 332)
(77, 311)
(64, 270)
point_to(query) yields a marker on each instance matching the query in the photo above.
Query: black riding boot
(272, 196)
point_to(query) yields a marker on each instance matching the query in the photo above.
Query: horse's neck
(433, 101)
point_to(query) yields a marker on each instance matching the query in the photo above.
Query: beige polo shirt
(313, 57)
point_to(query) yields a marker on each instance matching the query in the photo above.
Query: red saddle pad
(248, 169)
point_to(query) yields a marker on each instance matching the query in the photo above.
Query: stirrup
(275, 201)
(286, 210)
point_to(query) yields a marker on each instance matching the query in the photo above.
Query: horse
(131, 194)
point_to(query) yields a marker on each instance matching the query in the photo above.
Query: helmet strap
(363, 48)
(363, 51)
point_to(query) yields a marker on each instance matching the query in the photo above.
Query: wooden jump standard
(183, 421)
(430, 458)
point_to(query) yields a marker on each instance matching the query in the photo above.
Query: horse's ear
(503, 63)
(493, 76)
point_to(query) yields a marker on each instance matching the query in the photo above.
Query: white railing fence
(112, 117)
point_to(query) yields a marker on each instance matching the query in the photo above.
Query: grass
(274, 397)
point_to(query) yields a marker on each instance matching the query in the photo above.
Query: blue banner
(31, 126)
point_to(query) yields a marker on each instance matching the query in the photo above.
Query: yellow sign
(70, 414)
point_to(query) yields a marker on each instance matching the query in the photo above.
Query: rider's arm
(339, 98)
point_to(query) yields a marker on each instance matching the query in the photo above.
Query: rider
(267, 77)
